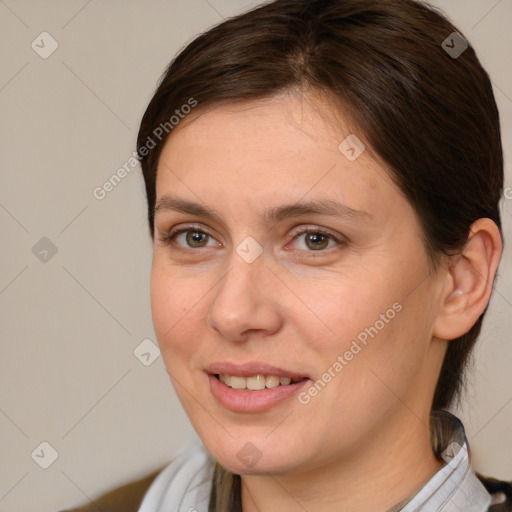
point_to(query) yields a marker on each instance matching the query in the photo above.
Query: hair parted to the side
(430, 117)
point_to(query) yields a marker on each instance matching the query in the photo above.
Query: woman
(323, 180)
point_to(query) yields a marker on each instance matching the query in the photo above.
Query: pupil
(317, 239)
(195, 237)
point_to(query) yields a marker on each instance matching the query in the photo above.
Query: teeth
(272, 381)
(238, 382)
(256, 382)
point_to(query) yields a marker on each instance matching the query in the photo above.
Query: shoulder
(190, 468)
(501, 492)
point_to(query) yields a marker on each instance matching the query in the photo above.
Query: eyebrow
(271, 215)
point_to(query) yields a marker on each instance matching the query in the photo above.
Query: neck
(370, 479)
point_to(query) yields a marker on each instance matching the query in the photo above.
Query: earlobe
(469, 281)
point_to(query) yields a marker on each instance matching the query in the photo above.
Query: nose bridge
(245, 279)
(238, 289)
(241, 300)
(246, 268)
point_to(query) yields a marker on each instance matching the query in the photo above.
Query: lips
(260, 399)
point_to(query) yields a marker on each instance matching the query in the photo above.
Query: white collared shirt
(454, 488)
(184, 485)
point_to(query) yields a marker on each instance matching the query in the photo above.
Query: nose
(244, 302)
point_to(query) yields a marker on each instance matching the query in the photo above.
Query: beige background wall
(70, 321)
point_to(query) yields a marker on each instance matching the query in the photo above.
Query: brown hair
(430, 115)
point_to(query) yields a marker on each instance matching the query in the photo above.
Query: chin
(249, 459)
(260, 468)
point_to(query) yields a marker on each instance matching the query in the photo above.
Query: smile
(255, 382)
(263, 398)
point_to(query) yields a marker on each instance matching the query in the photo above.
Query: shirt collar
(455, 487)
(186, 482)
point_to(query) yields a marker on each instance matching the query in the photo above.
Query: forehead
(283, 121)
(286, 147)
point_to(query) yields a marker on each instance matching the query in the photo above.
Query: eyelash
(168, 238)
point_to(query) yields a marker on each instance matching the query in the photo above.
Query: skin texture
(362, 443)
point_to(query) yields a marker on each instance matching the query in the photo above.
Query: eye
(316, 239)
(188, 238)
(311, 239)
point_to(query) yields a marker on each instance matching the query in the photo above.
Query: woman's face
(245, 290)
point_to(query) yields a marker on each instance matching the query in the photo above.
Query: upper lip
(251, 369)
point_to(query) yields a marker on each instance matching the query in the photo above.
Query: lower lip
(239, 400)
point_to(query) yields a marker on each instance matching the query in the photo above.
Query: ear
(469, 281)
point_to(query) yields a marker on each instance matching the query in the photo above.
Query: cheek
(176, 310)
(343, 310)
(370, 319)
